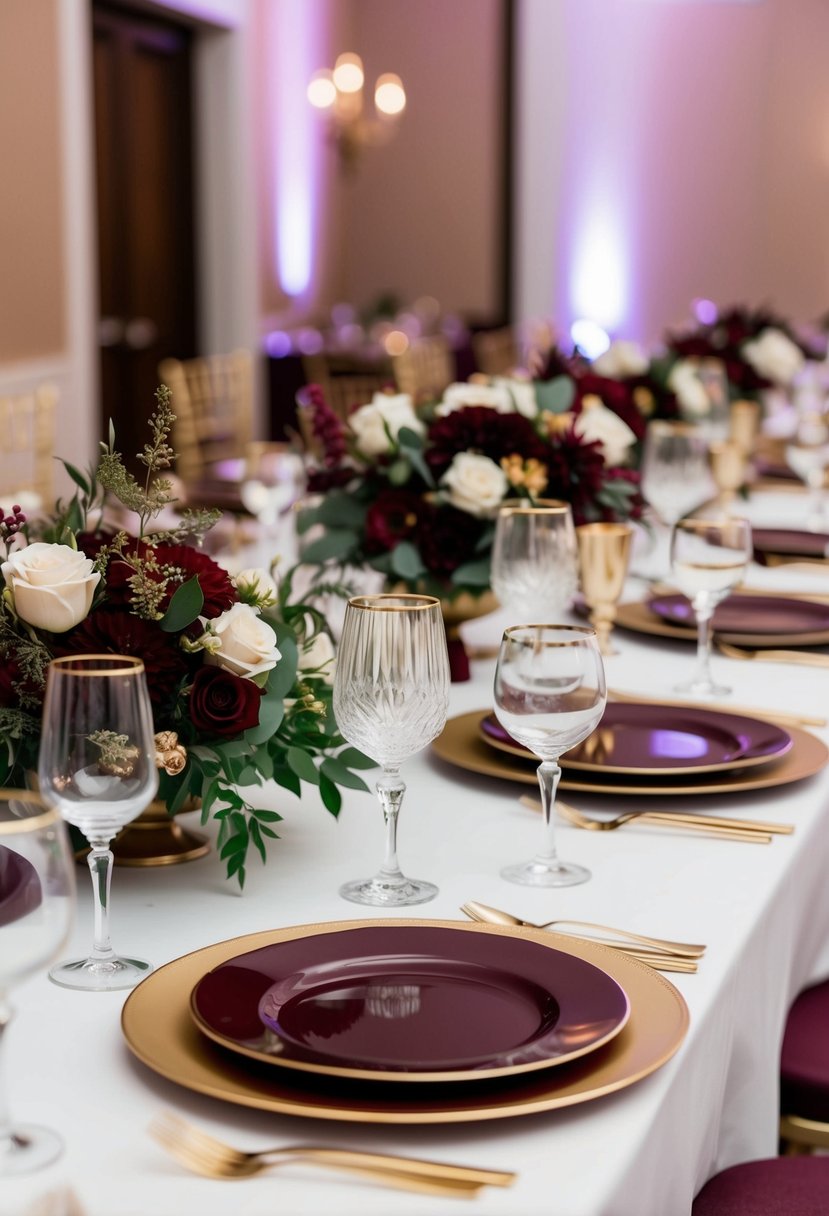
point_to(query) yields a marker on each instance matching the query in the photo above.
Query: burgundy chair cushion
(782, 1186)
(804, 1061)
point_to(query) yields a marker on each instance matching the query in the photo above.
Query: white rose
(685, 382)
(774, 356)
(246, 645)
(52, 585)
(521, 394)
(621, 359)
(319, 657)
(475, 483)
(458, 396)
(256, 584)
(383, 416)
(598, 424)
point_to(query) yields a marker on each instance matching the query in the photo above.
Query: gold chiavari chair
(213, 404)
(425, 369)
(345, 382)
(497, 351)
(27, 424)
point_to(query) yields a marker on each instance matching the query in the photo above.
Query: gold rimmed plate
(461, 746)
(637, 616)
(637, 739)
(160, 1032)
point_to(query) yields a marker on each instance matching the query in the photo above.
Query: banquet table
(763, 911)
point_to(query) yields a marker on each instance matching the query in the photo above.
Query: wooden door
(143, 132)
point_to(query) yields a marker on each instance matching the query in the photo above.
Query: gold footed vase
(156, 838)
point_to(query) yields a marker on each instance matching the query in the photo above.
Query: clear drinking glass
(97, 767)
(807, 454)
(391, 697)
(534, 558)
(708, 560)
(676, 476)
(274, 479)
(549, 695)
(37, 899)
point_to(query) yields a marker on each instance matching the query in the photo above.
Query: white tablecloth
(763, 910)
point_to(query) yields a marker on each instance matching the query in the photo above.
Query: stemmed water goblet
(708, 559)
(37, 898)
(550, 694)
(676, 477)
(534, 558)
(807, 454)
(391, 697)
(97, 767)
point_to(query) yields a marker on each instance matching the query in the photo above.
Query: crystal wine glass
(534, 558)
(676, 476)
(549, 695)
(807, 454)
(97, 767)
(391, 697)
(37, 898)
(708, 560)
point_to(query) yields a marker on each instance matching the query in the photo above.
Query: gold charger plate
(461, 745)
(637, 616)
(159, 1031)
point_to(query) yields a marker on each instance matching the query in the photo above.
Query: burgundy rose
(394, 516)
(447, 538)
(223, 704)
(117, 631)
(475, 428)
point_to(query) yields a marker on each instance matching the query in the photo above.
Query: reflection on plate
(159, 1030)
(461, 745)
(770, 614)
(637, 616)
(790, 542)
(409, 1004)
(647, 740)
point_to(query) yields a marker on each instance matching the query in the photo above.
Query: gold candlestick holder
(604, 554)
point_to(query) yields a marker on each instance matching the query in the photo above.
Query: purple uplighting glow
(278, 344)
(705, 311)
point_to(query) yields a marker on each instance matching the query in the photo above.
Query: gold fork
(494, 916)
(774, 656)
(204, 1154)
(669, 819)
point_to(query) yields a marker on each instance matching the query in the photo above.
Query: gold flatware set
(748, 831)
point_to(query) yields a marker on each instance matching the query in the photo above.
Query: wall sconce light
(341, 92)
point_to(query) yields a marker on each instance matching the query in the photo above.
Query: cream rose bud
(255, 584)
(773, 355)
(52, 585)
(383, 416)
(621, 359)
(246, 645)
(690, 392)
(598, 424)
(319, 657)
(475, 484)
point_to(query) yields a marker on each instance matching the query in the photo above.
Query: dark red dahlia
(446, 538)
(116, 631)
(394, 516)
(475, 428)
(217, 589)
(575, 472)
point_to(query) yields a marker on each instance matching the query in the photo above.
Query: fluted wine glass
(391, 697)
(708, 559)
(534, 558)
(550, 694)
(37, 899)
(676, 475)
(97, 767)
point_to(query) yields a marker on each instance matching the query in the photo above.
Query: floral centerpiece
(238, 671)
(413, 492)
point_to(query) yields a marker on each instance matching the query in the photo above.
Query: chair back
(345, 382)
(213, 404)
(497, 351)
(425, 369)
(27, 426)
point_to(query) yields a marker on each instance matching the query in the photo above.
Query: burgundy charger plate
(790, 542)
(20, 889)
(408, 1003)
(753, 614)
(662, 741)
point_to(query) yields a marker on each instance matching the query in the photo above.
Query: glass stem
(6, 1132)
(704, 614)
(549, 773)
(390, 791)
(100, 867)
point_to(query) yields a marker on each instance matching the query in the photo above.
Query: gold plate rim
(367, 1074)
(461, 746)
(623, 770)
(637, 617)
(158, 1030)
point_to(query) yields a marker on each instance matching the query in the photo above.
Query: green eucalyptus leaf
(340, 775)
(77, 476)
(476, 573)
(555, 396)
(302, 764)
(332, 799)
(353, 758)
(185, 606)
(406, 562)
(337, 544)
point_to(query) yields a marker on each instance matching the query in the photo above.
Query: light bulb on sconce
(341, 92)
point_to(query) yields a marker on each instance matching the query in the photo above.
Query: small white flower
(475, 484)
(246, 645)
(255, 586)
(597, 423)
(685, 382)
(52, 585)
(774, 356)
(621, 359)
(383, 416)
